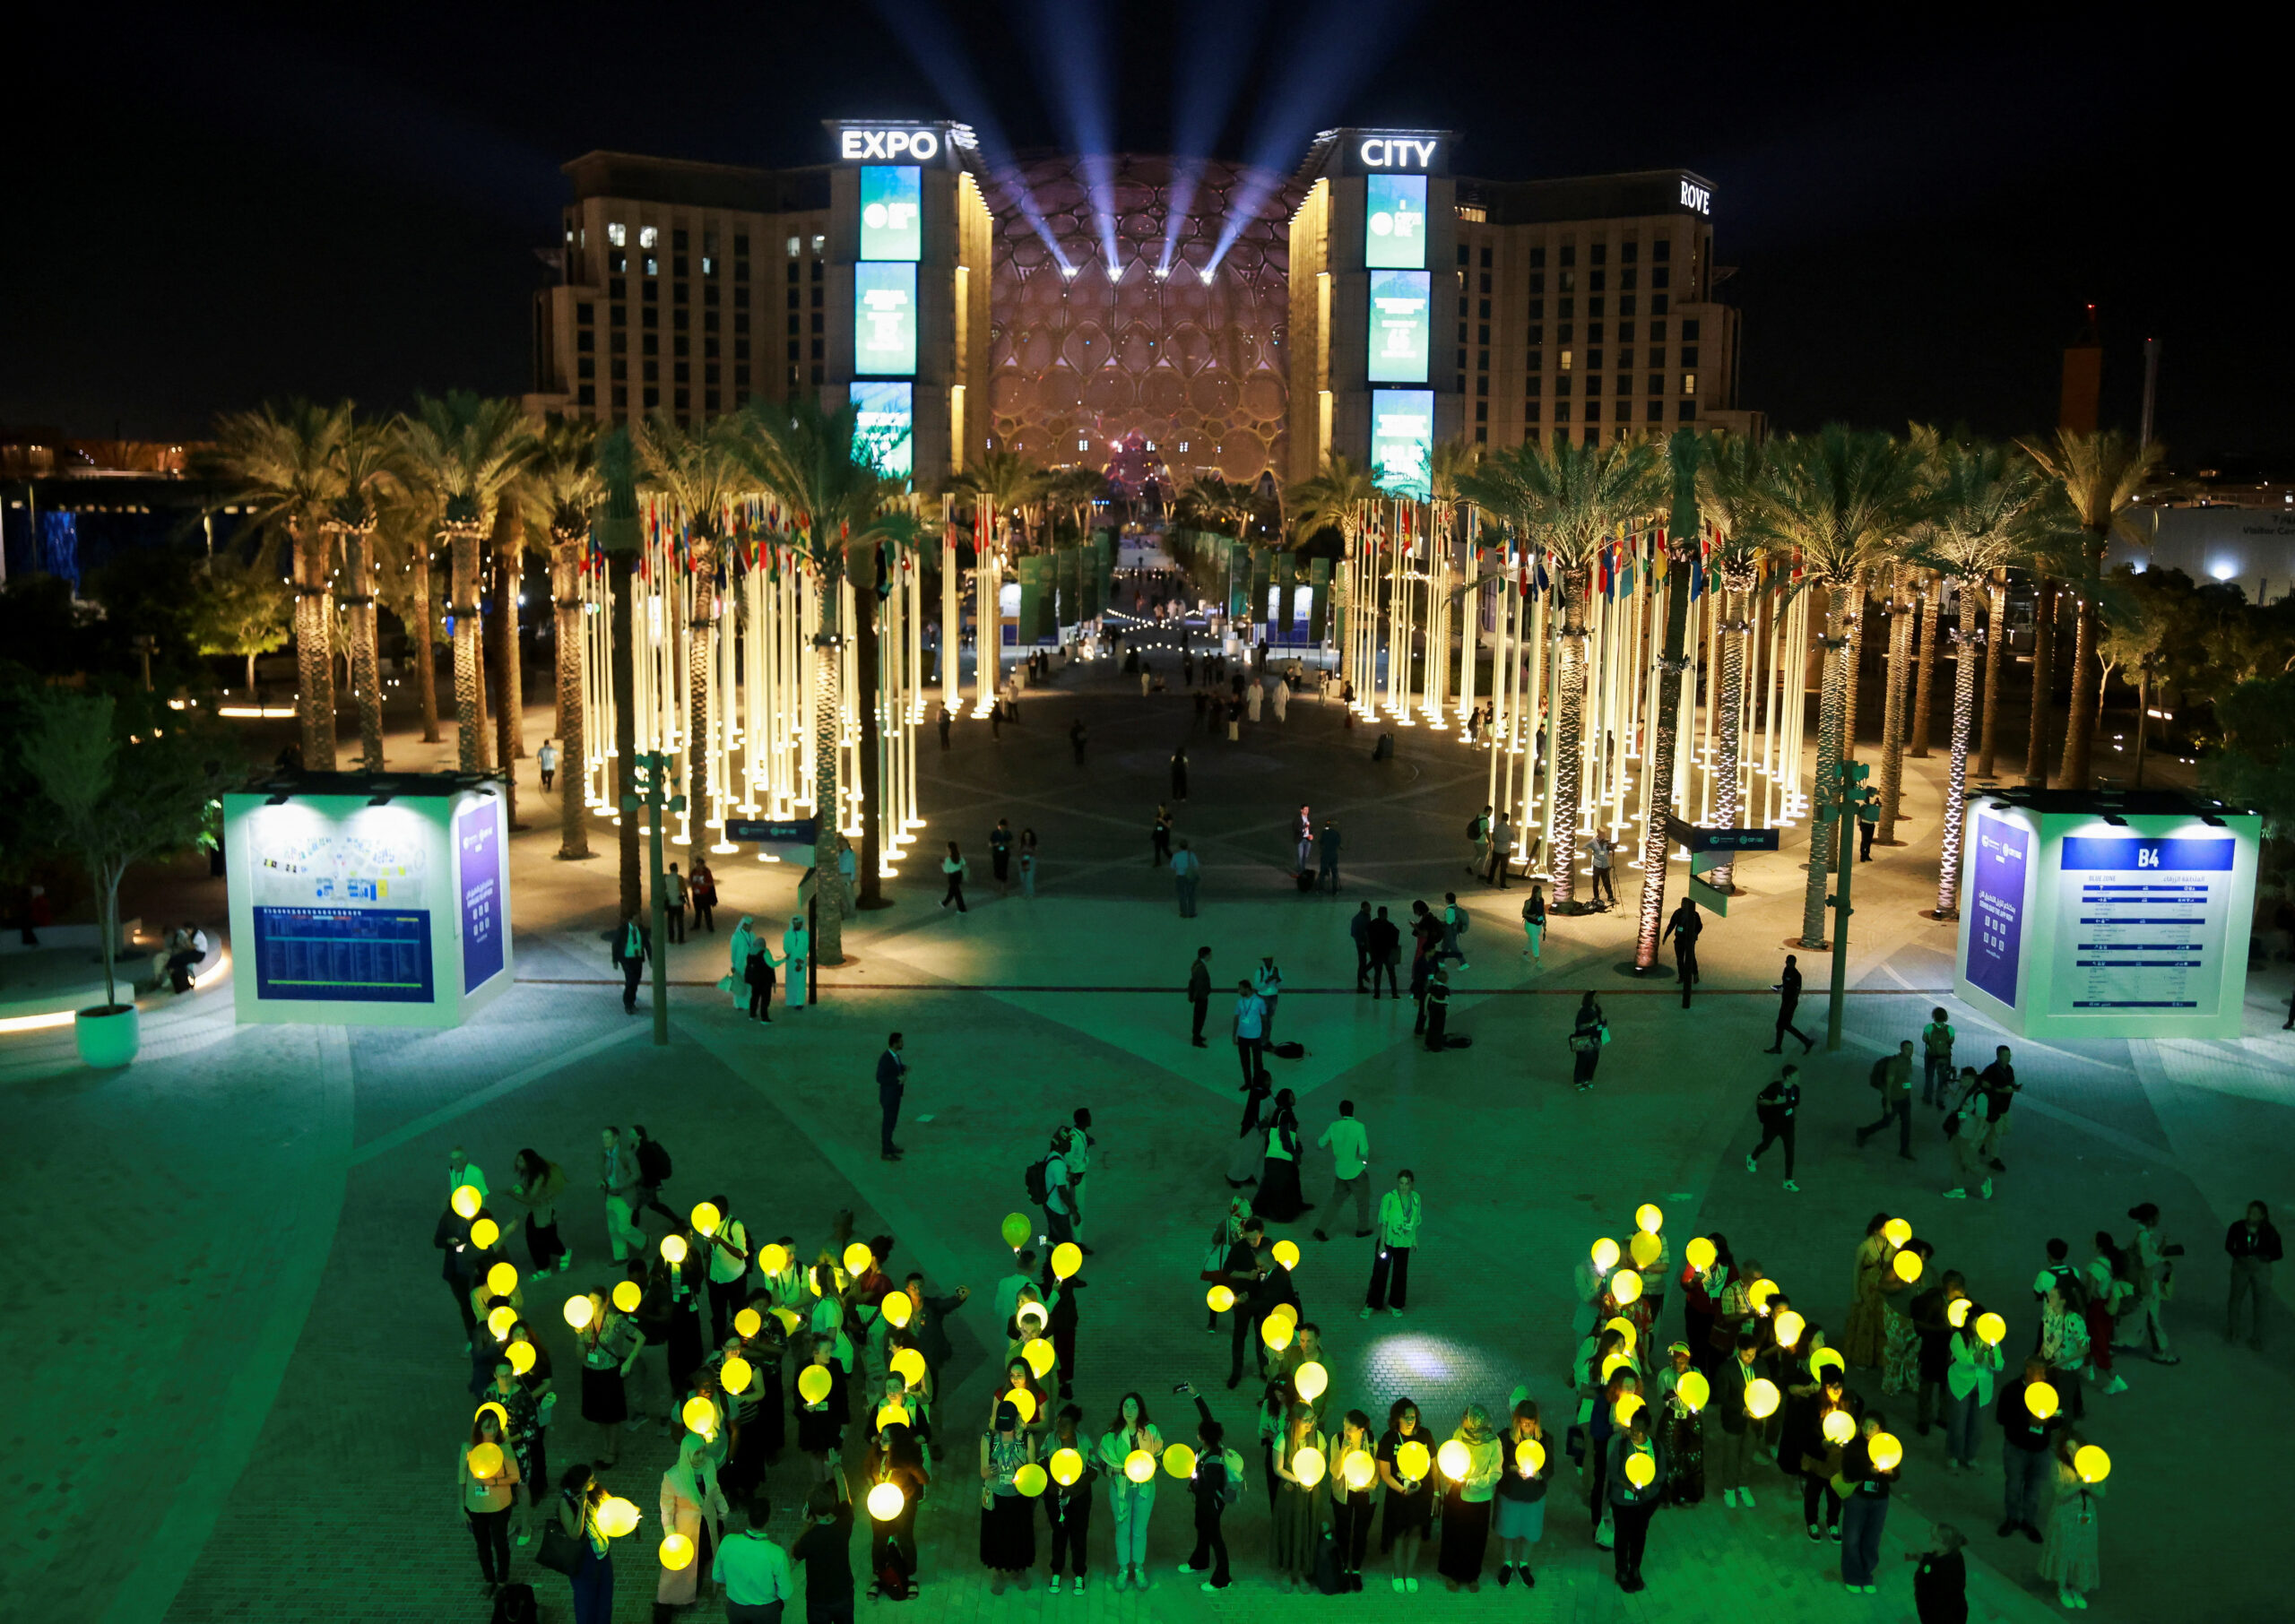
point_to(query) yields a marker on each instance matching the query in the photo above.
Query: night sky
(212, 205)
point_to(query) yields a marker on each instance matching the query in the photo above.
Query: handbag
(561, 1552)
(725, 983)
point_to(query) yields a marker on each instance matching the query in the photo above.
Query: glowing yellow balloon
(2092, 1463)
(1701, 1254)
(1956, 1312)
(1896, 1231)
(789, 1320)
(1022, 1400)
(859, 1259)
(1606, 1254)
(1759, 1293)
(1285, 1310)
(1016, 1230)
(1040, 1357)
(677, 1552)
(501, 1416)
(1760, 1399)
(1286, 1253)
(1648, 1219)
(1066, 1466)
(749, 1322)
(1641, 1471)
(1412, 1460)
(735, 1374)
(1359, 1469)
(1614, 1364)
(674, 1248)
(1825, 1358)
(1529, 1457)
(1628, 1407)
(1885, 1452)
(699, 1415)
(1626, 1328)
(1625, 1285)
(521, 1356)
(617, 1516)
(1276, 1331)
(1455, 1459)
(707, 1218)
(897, 1308)
(1139, 1465)
(813, 1384)
(2041, 1399)
(467, 1201)
(773, 1260)
(1032, 1317)
(1839, 1426)
(1311, 1380)
(502, 1279)
(1990, 1328)
(1907, 1266)
(1696, 1391)
(1031, 1479)
(485, 1460)
(1644, 1249)
(628, 1295)
(885, 1501)
(1220, 1298)
(892, 1415)
(1067, 1257)
(1789, 1327)
(578, 1310)
(908, 1364)
(1179, 1460)
(1308, 1467)
(484, 1233)
(498, 1321)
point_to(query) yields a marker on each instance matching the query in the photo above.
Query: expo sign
(1395, 152)
(1697, 199)
(886, 145)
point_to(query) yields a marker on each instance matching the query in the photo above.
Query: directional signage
(1719, 839)
(777, 831)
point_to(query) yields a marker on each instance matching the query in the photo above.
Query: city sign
(1696, 840)
(1394, 222)
(1697, 199)
(1399, 326)
(863, 145)
(884, 318)
(777, 831)
(892, 213)
(1402, 441)
(1396, 153)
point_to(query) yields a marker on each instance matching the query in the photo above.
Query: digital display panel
(2141, 923)
(884, 426)
(478, 838)
(1398, 328)
(884, 320)
(1394, 222)
(892, 222)
(377, 955)
(1402, 440)
(2002, 852)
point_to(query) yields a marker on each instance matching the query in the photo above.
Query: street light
(1848, 802)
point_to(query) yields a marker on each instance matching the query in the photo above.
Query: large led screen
(884, 426)
(892, 222)
(1398, 331)
(884, 320)
(1402, 440)
(1394, 222)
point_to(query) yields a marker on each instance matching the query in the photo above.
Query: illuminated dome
(1197, 369)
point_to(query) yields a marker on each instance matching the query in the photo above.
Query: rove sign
(886, 146)
(1396, 153)
(1697, 199)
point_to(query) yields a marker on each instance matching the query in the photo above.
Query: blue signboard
(2140, 856)
(478, 838)
(366, 955)
(1997, 929)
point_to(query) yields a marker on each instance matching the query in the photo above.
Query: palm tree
(1838, 497)
(1732, 485)
(1684, 457)
(2098, 478)
(366, 478)
(1005, 485)
(562, 487)
(1339, 497)
(1981, 520)
(841, 507)
(699, 472)
(401, 544)
(1569, 500)
(466, 452)
(283, 463)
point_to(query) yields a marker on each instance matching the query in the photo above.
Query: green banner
(1035, 596)
(1319, 618)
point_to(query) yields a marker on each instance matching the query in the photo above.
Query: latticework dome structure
(1198, 369)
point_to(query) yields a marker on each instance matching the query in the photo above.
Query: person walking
(1684, 926)
(1326, 858)
(728, 1266)
(486, 1482)
(1187, 871)
(738, 946)
(1349, 1144)
(673, 887)
(1266, 982)
(1633, 1495)
(1965, 1134)
(653, 1173)
(1775, 1106)
(618, 1177)
(1248, 1027)
(536, 1185)
(1479, 836)
(2152, 1260)
(1936, 1060)
(633, 946)
(1359, 930)
(1400, 1212)
(1198, 994)
(546, 759)
(892, 1082)
(1455, 921)
(1385, 939)
(1587, 1033)
(1160, 838)
(2252, 1244)
(1131, 1504)
(702, 890)
(1179, 763)
(1788, 1000)
(1892, 1077)
(2069, 1555)
(1501, 850)
(1603, 850)
(955, 869)
(1534, 923)
(2000, 1090)
(2025, 1440)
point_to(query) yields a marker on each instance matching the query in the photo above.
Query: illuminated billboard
(884, 320)
(884, 426)
(1402, 441)
(892, 198)
(1398, 328)
(1394, 222)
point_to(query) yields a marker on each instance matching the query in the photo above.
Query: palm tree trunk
(828, 718)
(1956, 784)
(1995, 633)
(1568, 720)
(565, 583)
(2143, 716)
(1853, 659)
(511, 570)
(621, 574)
(425, 622)
(1831, 719)
(2043, 682)
(315, 648)
(1656, 843)
(1900, 679)
(700, 690)
(505, 678)
(366, 665)
(1728, 743)
(461, 603)
(2080, 725)
(1932, 605)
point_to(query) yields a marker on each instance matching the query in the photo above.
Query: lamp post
(1846, 801)
(655, 781)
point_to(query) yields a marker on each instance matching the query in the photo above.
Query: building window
(1594, 305)
(1627, 278)
(819, 350)
(1592, 437)
(621, 396)
(1656, 412)
(617, 261)
(740, 324)
(1462, 330)
(1463, 260)
(1485, 275)
(1689, 352)
(1569, 254)
(709, 321)
(1530, 410)
(709, 295)
(620, 342)
(1561, 385)
(653, 343)
(682, 345)
(1596, 280)
(1598, 253)
(651, 293)
(1569, 277)
(587, 395)
(1481, 436)
(796, 245)
(740, 350)
(1689, 332)
(1593, 411)
(1482, 384)
(679, 265)
(709, 347)
(796, 325)
(1538, 260)
(1569, 360)
(1624, 383)
(1482, 412)
(1662, 249)
(1627, 254)
(681, 293)
(1562, 411)
(586, 367)
(1593, 360)
(1662, 276)
(1657, 332)
(617, 234)
(1689, 383)
(653, 398)
(1533, 383)
(792, 352)
(1537, 335)
(817, 297)
(709, 400)
(741, 380)
(585, 339)
(817, 321)
(1538, 310)
(1656, 382)
(1483, 312)
(820, 374)
(586, 312)
(1624, 359)
(1565, 308)
(1625, 304)
(1485, 259)
(1625, 332)
(683, 399)
(1482, 336)
(816, 277)
(653, 265)
(709, 374)
(682, 372)
(652, 372)
(1462, 366)
(1537, 285)
(819, 243)
(648, 235)
(1564, 332)
(1688, 413)
(1657, 304)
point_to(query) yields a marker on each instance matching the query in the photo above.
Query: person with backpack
(1478, 837)
(728, 1266)
(1455, 921)
(1935, 1058)
(1216, 1484)
(1892, 1076)
(1587, 1033)
(1776, 1106)
(1964, 1131)
(1049, 1188)
(653, 1173)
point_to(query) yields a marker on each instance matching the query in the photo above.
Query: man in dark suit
(633, 944)
(891, 1073)
(1198, 992)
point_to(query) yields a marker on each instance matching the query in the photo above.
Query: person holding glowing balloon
(1300, 1461)
(1007, 1523)
(694, 1506)
(486, 1475)
(1406, 1466)
(1868, 1471)
(1521, 1493)
(590, 1516)
(1637, 1462)
(1353, 1475)
(2069, 1554)
(1470, 1462)
(1127, 1452)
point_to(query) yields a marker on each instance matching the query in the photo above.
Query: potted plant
(126, 783)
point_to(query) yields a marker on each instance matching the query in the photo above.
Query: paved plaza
(236, 1391)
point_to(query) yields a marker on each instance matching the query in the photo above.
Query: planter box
(108, 1037)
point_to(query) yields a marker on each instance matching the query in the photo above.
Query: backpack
(1878, 1076)
(1039, 1178)
(1231, 1489)
(1474, 828)
(1936, 1043)
(1464, 920)
(652, 1163)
